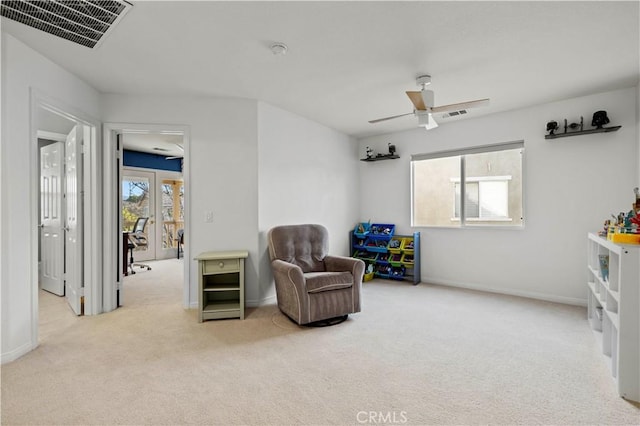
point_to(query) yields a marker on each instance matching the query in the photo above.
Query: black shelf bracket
(381, 157)
(583, 132)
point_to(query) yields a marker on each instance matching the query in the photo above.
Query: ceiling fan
(423, 102)
(176, 156)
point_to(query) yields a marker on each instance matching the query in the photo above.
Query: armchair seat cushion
(325, 281)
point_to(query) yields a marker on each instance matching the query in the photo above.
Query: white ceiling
(350, 62)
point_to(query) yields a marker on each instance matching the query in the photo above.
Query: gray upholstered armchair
(312, 286)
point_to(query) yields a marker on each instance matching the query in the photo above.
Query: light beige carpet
(415, 355)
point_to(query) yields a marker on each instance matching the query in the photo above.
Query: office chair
(180, 241)
(137, 238)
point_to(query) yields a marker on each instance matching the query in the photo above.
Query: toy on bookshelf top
(625, 227)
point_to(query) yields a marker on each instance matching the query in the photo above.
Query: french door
(138, 200)
(158, 195)
(170, 212)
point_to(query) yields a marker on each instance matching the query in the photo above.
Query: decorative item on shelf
(390, 156)
(574, 126)
(599, 119)
(603, 260)
(572, 129)
(599, 312)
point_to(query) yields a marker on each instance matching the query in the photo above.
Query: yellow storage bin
(625, 238)
(395, 245)
(407, 245)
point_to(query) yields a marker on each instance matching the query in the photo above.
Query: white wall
(571, 186)
(223, 174)
(24, 69)
(308, 173)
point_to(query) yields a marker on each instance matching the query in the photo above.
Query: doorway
(66, 252)
(141, 189)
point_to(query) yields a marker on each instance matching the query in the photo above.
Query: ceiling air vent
(454, 113)
(85, 22)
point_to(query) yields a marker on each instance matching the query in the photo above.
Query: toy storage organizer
(391, 256)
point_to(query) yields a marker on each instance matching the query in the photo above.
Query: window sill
(475, 219)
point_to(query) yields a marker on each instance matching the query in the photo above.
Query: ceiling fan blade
(416, 99)
(388, 118)
(461, 105)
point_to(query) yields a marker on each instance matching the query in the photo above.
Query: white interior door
(138, 200)
(51, 218)
(73, 229)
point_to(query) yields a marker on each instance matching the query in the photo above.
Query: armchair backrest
(302, 245)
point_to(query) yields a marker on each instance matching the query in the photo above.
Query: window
(488, 179)
(486, 198)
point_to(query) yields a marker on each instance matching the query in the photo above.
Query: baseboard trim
(507, 291)
(16, 353)
(257, 303)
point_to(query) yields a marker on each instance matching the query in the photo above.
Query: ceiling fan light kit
(425, 119)
(424, 105)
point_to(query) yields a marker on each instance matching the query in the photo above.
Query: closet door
(52, 218)
(74, 200)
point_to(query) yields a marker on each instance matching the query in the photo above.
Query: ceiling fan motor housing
(423, 80)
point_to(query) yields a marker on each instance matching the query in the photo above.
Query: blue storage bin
(383, 259)
(359, 243)
(364, 227)
(381, 231)
(397, 273)
(376, 245)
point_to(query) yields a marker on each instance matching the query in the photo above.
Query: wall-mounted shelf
(381, 157)
(583, 132)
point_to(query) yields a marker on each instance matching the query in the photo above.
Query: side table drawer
(221, 265)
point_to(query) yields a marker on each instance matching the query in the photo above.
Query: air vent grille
(84, 22)
(455, 113)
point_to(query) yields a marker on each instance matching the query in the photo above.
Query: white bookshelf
(612, 310)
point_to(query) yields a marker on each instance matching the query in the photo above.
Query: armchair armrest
(343, 263)
(290, 288)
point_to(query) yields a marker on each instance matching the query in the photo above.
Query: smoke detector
(279, 49)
